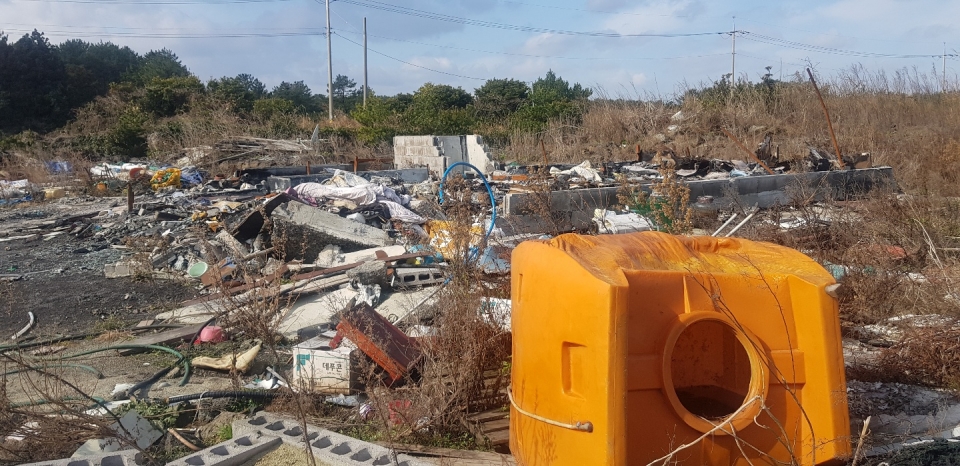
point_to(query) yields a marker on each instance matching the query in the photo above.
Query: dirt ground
(63, 280)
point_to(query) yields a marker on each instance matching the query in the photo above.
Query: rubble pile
(355, 260)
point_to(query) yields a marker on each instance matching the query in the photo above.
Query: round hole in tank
(710, 369)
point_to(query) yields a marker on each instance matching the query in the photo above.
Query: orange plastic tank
(648, 348)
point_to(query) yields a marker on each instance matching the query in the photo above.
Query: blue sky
(278, 40)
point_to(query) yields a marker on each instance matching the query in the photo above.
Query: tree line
(45, 86)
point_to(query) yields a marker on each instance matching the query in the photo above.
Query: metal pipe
(833, 136)
(725, 224)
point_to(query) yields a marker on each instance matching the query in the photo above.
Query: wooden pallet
(492, 426)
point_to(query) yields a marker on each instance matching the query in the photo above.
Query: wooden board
(175, 335)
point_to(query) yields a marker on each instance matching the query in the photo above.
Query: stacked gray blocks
(233, 452)
(573, 209)
(437, 153)
(329, 447)
(117, 458)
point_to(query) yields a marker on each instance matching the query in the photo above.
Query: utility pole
(733, 58)
(365, 86)
(943, 86)
(329, 66)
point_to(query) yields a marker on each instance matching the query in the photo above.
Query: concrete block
(310, 312)
(328, 447)
(117, 458)
(398, 305)
(118, 270)
(233, 452)
(435, 164)
(370, 273)
(403, 141)
(407, 175)
(283, 183)
(453, 147)
(416, 276)
(478, 154)
(420, 151)
(308, 229)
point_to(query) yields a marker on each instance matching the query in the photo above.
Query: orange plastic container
(648, 348)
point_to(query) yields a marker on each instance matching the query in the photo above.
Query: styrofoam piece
(235, 451)
(329, 447)
(117, 458)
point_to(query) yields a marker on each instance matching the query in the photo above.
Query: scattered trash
(240, 363)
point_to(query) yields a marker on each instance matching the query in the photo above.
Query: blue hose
(493, 203)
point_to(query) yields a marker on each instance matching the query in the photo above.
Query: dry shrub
(901, 119)
(924, 356)
(52, 420)
(463, 363)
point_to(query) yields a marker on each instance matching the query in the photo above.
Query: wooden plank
(167, 336)
(480, 457)
(493, 426)
(490, 415)
(500, 437)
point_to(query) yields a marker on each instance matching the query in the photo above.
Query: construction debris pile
(347, 264)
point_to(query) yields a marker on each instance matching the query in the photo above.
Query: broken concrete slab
(305, 230)
(370, 273)
(398, 306)
(333, 257)
(307, 315)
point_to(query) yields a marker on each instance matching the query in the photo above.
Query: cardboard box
(318, 368)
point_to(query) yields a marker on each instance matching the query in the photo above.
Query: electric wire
(510, 27)
(828, 50)
(408, 63)
(153, 2)
(492, 52)
(159, 35)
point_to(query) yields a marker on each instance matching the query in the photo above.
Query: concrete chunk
(305, 230)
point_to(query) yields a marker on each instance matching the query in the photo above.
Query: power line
(510, 27)
(184, 35)
(153, 2)
(408, 63)
(606, 12)
(131, 28)
(827, 50)
(541, 56)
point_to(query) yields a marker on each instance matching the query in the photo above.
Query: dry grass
(902, 120)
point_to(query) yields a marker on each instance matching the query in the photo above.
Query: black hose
(222, 394)
(155, 377)
(139, 386)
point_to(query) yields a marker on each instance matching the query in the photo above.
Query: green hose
(53, 366)
(180, 357)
